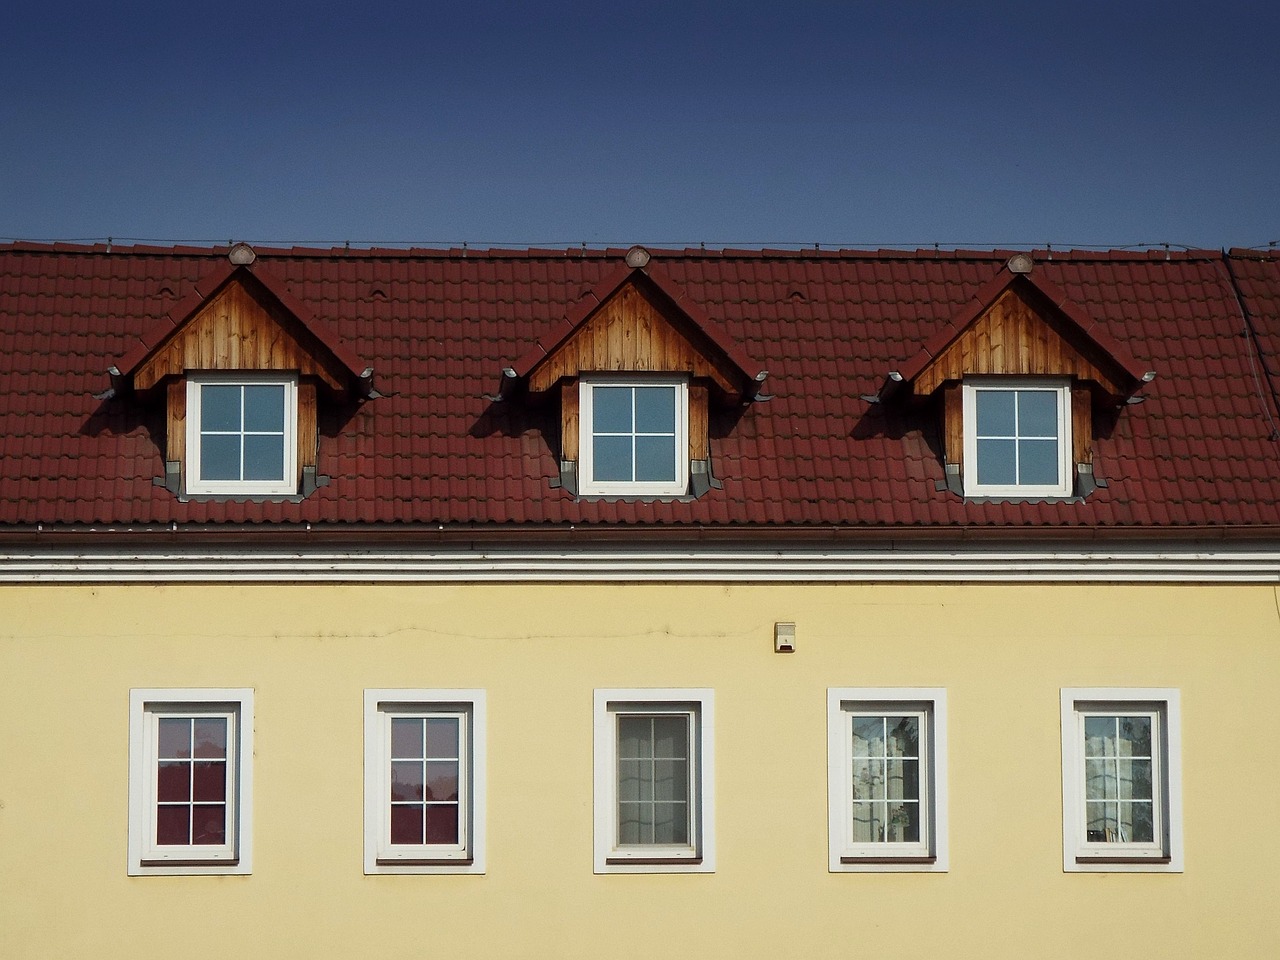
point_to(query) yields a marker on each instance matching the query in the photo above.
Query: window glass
(634, 438)
(612, 410)
(653, 780)
(1016, 437)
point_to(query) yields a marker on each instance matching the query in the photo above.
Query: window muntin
(1017, 435)
(634, 436)
(886, 779)
(424, 781)
(189, 781)
(654, 777)
(242, 435)
(1121, 780)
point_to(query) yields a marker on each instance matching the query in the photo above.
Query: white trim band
(1174, 563)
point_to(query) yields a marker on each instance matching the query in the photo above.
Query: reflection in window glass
(1118, 779)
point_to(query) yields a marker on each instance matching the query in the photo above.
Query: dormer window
(1017, 437)
(635, 436)
(242, 435)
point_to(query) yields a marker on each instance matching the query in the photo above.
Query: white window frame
(1066, 472)
(1165, 855)
(380, 855)
(146, 707)
(288, 484)
(587, 484)
(699, 855)
(930, 855)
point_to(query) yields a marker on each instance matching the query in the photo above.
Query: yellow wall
(69, 656)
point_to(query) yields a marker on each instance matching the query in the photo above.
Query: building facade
(547, 603)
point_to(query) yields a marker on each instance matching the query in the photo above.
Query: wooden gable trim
(240, 328)
(633, 331)
(1017, 336)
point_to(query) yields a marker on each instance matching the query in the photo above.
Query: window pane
(671, 780)
(211, 738)
(671, 737)
(904, 823)
(442, 780)
(1134, 779)
(655, 409)
(264, 407)
(902, 781)
(1038, 413)
(868, 779)
(407, 781)
(220, 407)
(174, 737)
(611, 458)
(406, 738)
(995, 413)
(1038, 462)
(406, 823)
(670, 823)
(611, 410)
(1141, 823)
(904, 736)
(868, 736)
(1100, 780)
(996, 462)
(173, 824)
(868, 822)
(633, 780)
(634, 737)
(209, 780)
(655, 458)
(442, 737)
(173, 781)
(635, 823)
(208, 824)
(1135, 736)
(263, 458)
(442, 824)
(1102, 822)
(219, 457)
(1099, 736)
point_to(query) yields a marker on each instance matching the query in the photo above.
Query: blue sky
(971, 124)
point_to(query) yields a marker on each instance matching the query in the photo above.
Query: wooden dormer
(240, 322)
(638, 326)
(1025, 331)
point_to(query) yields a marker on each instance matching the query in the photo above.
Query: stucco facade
(71, 655)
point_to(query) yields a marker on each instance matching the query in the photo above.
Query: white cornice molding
(1192, 562)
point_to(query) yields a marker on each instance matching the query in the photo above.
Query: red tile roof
(438, 326)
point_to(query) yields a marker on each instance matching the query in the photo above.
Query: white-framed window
(424, 781)
(1121, 779)
(633, 436)
(190, 781)
(654, 781)
(887, 779)
(1017, 437)
(242, 434)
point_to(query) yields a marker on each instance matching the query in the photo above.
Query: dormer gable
(241, 365)
(638, 367)
(1023, 372)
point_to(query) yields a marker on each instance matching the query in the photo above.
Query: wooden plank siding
(237, 330)
(630, 333)
(1013, 337)
(176, 427)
